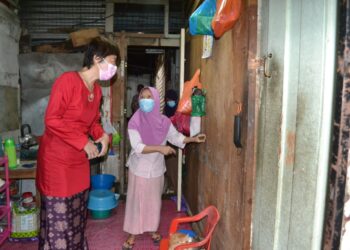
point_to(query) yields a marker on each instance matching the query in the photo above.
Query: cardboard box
(83, 37)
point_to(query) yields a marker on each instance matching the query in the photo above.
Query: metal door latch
(265, 65)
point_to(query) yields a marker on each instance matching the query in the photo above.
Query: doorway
(156, 67)
(143, 65)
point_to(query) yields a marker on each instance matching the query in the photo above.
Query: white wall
(9, 71)
(9, 48)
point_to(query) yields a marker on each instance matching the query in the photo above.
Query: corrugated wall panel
(42, 18)
(149, 18)
(45, 19)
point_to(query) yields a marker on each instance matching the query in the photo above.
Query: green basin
(100, 214)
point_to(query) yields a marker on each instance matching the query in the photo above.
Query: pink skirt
(143, 204)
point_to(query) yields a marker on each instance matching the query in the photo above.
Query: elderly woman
(149, 131)
(63, 174)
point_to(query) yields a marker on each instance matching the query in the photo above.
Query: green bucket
(100, 214)
(198, 105)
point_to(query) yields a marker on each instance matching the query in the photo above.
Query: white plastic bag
(195, 125)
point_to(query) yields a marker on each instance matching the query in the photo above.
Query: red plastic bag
(227, 14)
(182, 123)
(185, 103)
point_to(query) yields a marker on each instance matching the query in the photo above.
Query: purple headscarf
(153, 126)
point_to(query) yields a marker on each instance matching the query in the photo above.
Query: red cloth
(63, 168)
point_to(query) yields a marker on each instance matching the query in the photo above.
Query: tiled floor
(108, 234)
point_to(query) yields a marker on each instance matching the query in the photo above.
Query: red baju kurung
(63, 167)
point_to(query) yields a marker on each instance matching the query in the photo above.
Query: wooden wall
(216, 172)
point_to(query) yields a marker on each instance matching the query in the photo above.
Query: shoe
(156, 237)
(128, 244)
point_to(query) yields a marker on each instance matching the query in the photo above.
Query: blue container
(102, 199)
(102, 181)
(101, 202)
(190, 233)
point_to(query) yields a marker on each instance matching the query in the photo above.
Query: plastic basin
(102, 214)
(102, 181)
(102, 199)
(101, 203)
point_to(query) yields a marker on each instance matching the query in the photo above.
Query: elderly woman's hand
(104, 140)
(197, 139)
(167, 150)
(91, 150)
(200, 138)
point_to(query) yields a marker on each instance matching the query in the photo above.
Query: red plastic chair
(212, 217)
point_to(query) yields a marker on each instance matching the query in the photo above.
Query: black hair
(101, 48)
(171, 94)
(140, 87)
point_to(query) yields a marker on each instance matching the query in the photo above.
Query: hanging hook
(238, 107)
(266, 74)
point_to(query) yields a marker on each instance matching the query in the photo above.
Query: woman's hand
(200, 138)
(91, 150)
(167, 150)
(197, 139)
(104, 140)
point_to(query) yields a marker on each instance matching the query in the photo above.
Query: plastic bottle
(10, 149)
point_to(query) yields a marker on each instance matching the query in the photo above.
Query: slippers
(156, 237)
(128, 244)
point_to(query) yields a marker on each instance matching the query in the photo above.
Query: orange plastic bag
(227, 14)
(185, 103)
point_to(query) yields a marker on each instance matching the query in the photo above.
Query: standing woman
(149, 131)
(171, 101)
(63, 173)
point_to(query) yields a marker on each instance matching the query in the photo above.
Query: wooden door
(296, 47)
(218, 172)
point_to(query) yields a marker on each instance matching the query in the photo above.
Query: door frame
(123, 40)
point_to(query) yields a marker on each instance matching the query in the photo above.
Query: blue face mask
(146, 105)
(171, 104)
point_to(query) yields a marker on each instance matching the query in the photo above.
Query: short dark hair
(101, 48)
(140, 87)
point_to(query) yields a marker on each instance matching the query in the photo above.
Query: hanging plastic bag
(201, 18)
(181, 122)
(195, 125)
(185, 103)
(228, 12)
(198, 103)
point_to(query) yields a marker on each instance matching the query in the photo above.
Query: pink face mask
(107, 74)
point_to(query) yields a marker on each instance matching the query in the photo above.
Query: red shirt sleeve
(60, 97)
